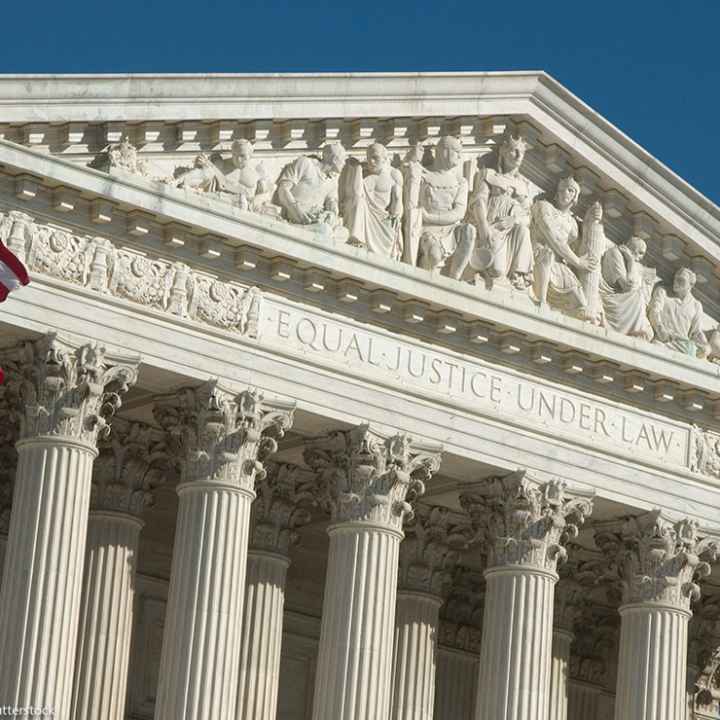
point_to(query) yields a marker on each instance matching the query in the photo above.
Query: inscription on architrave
(476, 386)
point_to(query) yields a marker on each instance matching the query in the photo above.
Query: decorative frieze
(365, 477)
(523, 522)
(95, 263)
(658, 560)
(461, 617)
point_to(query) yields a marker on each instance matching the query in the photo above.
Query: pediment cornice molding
(505, 328)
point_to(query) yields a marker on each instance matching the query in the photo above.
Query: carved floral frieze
(95, 263)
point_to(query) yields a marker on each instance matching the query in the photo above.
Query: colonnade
(67, 589)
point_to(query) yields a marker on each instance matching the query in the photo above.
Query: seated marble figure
(677, 318)
(437, 236)
(500, 210)
(554, 232)
(307, 189)
(626, 287)
(372, 203)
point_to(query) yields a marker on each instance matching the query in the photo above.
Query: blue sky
(651, 68)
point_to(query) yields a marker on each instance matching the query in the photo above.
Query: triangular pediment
(58, 169)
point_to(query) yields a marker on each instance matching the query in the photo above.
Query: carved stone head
(512, 153)
(377, 158)
(568, 193)
(333, 158)
(448, 154)
(242, 152)
(683, 282)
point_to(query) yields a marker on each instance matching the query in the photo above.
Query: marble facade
(366, 397)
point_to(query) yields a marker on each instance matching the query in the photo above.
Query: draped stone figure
(626, 287)
(500, 211)
(677, 318)
(554, 233)
(435, 217)
(307, 188)
(372, 204)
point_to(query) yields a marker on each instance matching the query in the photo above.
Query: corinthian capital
(133, 462)
(657, 560)
(284, 498)
(523, 522)
(221, 437)
(66, 390)
(365, 477)
(431, 548)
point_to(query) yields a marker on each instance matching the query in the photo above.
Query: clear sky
(650, 67)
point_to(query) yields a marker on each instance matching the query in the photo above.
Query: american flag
(13, 275)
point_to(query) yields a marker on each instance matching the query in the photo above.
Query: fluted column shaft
(653, 662)
(516, 646)
(106, 615)
(262, 635)
(416, 626)
(456, 687)
(354, 670)
(42, 574)
(201, 638)
(583, 702)
(559, 674)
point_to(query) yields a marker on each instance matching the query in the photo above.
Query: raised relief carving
(122, 157)
(307, 188)
(522, 522)
(244, 184)
(594, 646)
(171, 287)
(500, 210)
(657, 560)
(221, 437)
(439, 238)
(372, 203)
(626, 288)
(284, 503)
(677, 317)
(133, 461)
(67, 390)
(365, 477)
(555, 232)
(704, 452)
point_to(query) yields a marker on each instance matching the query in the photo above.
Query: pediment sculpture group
(424, 213)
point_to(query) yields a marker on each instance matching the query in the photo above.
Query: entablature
(243, 249)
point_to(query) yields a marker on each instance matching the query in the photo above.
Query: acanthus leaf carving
(366, 477)
(657, 560)
(284, 503)
(66, 390)
(522, 522)
(220, 437)
(133, 461)
(434, 540)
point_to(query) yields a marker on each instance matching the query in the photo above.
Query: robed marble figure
(500, 210)
(439, 238)
(677, 317)
(555, 232)
(372, 203)
(626, 287)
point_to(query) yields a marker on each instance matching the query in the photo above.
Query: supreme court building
(353, 397)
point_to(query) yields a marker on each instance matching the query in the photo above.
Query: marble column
(285, 496)
(583, 701)
(222, 440)
(67, 396)
(657, 561)
(427, 556)
(569, 603)
(525, 524)
(125, 475)
(366, 482)
(456, 688)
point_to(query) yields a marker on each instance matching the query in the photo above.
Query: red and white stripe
(12, 273)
